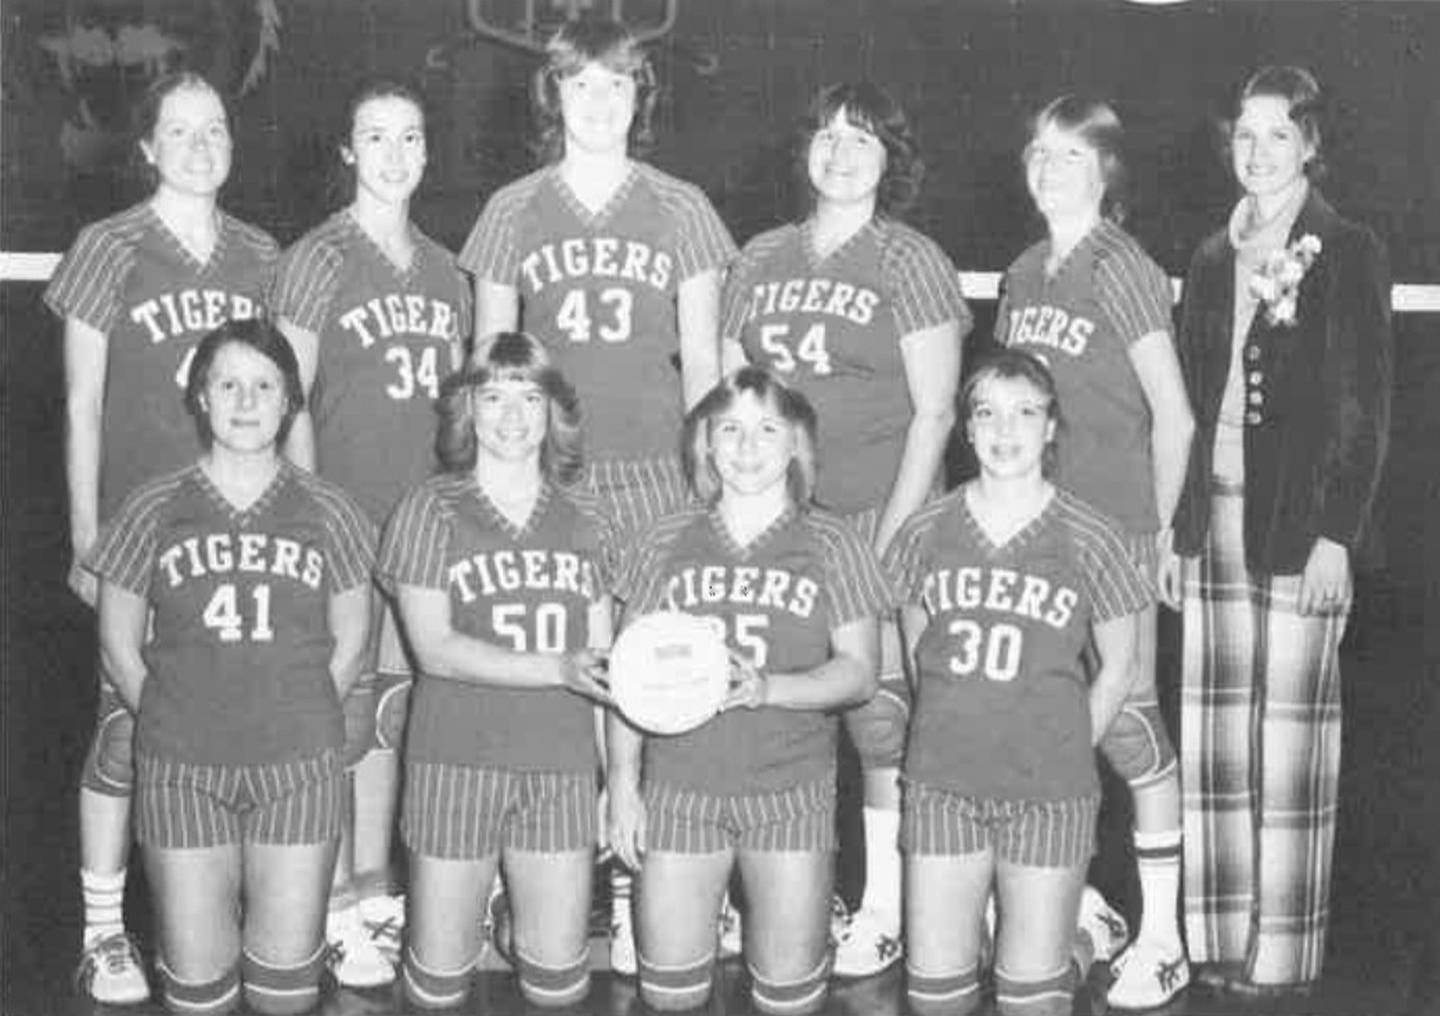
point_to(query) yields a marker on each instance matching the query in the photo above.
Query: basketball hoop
(536, 20)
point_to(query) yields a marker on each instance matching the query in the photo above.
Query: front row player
(256, 575)
(500, 572)
(799, 594)
(1004, 582)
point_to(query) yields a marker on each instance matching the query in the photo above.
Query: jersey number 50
(994, 651)
(544, 632)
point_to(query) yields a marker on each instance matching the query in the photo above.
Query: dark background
(737, 74)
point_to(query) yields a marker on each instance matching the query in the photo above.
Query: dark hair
(794, 408)
(267, 340)
(1301, 91)
(1008, 363)
(1096, 123)
(507, 356)
(868, 106)
(145, 116)
(582, 41)
(375, 88)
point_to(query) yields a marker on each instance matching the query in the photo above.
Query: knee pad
(110, 762)
(1048, 996)
(805, 994)
(390, 713)
(427, 988)
(282, 989)
(553, 986)
(1137, 746)
(877, 728)
(943, 994)
(672, 989)
(199, 998)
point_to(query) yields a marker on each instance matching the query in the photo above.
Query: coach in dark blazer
(1285, 345)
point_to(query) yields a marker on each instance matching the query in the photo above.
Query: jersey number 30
(993, 651)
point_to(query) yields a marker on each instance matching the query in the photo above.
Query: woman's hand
(748, 688)
(583, 672)
(626, 824)
(1325, 583)
(1168, 570)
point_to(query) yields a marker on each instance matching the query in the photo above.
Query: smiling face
(1063, 173)
(387, 149)
(751, 445)
(511, 418)
(846, 162)
(190, 146)
(597, 105)
(1268, 149)
(1009, 426)
(244, 399)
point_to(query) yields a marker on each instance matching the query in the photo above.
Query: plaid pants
(1260, 761)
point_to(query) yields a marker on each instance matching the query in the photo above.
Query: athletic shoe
(384, 920)
(111, 973)
(622, 942)
(868, 944)
(731, 944)
(355, 959)
(1107, 929)
(1148, 975)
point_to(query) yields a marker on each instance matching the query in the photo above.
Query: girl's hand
(83, 583)
(625, 824)
(583, 672)
(1325, 583)
(748, 687)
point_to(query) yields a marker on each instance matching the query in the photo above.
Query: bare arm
(300, 444)
(1171, 423)
(627, 819)
(849, 677)
(932, 373)
(913, 620)
(86, 364)
(1115, 643)
(124, 617)
(350, 627)
(497, 308)
(698, 315)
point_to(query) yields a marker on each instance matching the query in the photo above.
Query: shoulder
(116, 235)
(1028, 262)
(906, 244)
(324, 246)
(150, 499)
(328, 497)
(673, 193)
(1212, 249)
(252, 237)
(928, 517)
(517, 193)
(434, 249)
(764, 245)
(830, 529)
(1117, 253)
(669, 530)
(1091, 529)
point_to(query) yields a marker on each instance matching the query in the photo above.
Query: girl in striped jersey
(501, 576)
(863, 315)
(1004, 582)
(137, 292)
(799, 593)
(254, 576)
(376, 312)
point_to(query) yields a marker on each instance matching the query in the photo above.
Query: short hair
(696, 458)
(373, 88)
(1301, 91)
(509, 356)
(1096, 123)
(1007, 363)
(587, 40)
(145, 115)
(267, 340)
(872, 108)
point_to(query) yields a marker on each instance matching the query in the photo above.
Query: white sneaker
(384, 920)
(867, 945)
(355, 960)
(110, 971)
(622, 941)
(1148, 975)
(1107, 929)
(730, 928)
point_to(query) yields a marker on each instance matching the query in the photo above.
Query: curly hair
(507, 356)
(1096, 123)
(870, 107)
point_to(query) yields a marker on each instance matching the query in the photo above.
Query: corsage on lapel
(1277, 281)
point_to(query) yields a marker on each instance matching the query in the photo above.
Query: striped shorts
(799, 818)
(464, 813)
(1036, 834)
(185, 805)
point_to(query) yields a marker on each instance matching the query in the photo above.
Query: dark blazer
(1317, 396)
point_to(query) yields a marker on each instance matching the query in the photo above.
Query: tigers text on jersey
(1003, 705)
(600, 290)
(1082, 321)
(130, 277)
(239, 662)
(780, 599)
(832, 329)
(528, 590)
(387, 338)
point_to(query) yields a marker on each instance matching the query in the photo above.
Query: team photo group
(575, 555)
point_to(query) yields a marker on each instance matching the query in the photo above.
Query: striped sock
(104, 904)
(1157, 857)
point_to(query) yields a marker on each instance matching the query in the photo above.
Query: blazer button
(1252, 416)
(1252, 353)
(1256, 377)
(1255, 397)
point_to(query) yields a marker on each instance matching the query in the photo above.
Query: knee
(1137, 746)
(804, 994)
(210, 997)
(877, 729)
(550, 986)
(676, 988)
(110, 765)
(1047, 996)
(956, 994)
(282, 989)
(430, 988)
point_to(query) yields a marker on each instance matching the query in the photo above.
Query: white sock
(1157, 856)
(104, 897)
(882, 863)
(621, 883)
